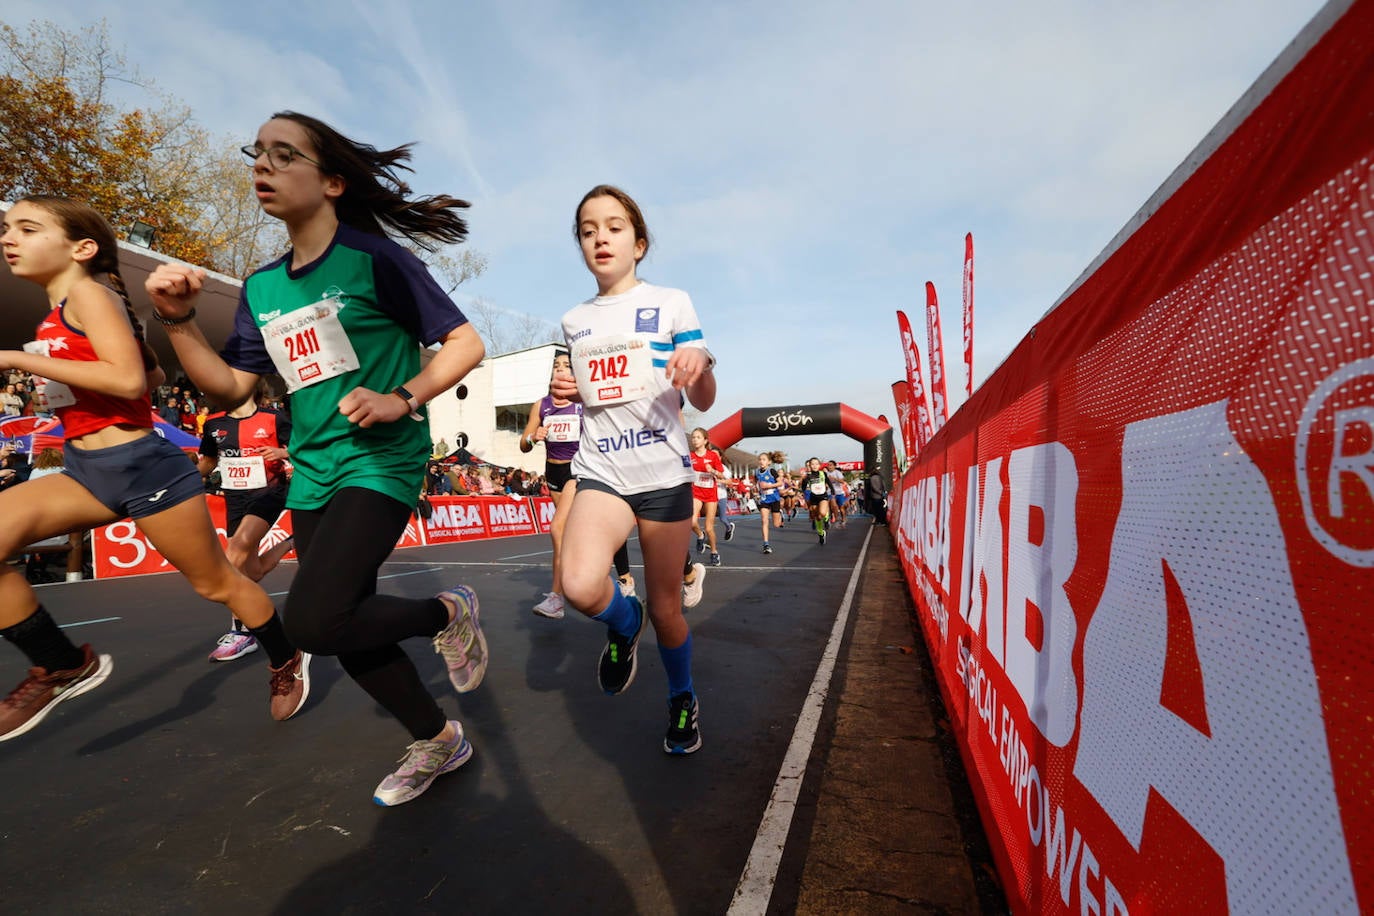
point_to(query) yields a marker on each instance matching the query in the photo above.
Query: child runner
(340, 317)
(636, 348)
(815, 486)
(558, 424)
(770, 498)
(708, 470)
(248, 445)
(98, 377)
(722, 494)
(839, 493)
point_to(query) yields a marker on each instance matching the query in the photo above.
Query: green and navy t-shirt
(382, 299)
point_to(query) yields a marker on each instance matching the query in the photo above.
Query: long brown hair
(82, 221)
(375, 197)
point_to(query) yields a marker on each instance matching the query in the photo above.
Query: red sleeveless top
(92, 411)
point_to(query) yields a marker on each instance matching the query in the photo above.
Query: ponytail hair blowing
(81, 221)
(375, 198)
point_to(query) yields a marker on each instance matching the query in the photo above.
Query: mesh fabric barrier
(1143, 551)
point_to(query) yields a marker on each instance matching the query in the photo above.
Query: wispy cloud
(808, 161)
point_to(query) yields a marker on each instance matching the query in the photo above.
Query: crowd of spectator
(181, 404)
(20, 398)
(445, 479)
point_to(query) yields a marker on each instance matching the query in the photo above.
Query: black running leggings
(333, 607)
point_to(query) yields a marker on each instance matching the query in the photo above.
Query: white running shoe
(691, 591)
(551, 607)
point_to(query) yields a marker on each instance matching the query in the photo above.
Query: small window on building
(511, 420)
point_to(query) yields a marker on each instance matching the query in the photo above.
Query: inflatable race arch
(812, 420)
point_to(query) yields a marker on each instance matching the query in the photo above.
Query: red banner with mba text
(120, 549)
(1143, 551)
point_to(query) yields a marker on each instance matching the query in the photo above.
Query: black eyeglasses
(281, 157)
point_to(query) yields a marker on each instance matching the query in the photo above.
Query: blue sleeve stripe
(686, 336)
(660, 364)
(665, 347)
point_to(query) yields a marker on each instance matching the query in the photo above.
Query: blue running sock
(678, 663)
(622, 614)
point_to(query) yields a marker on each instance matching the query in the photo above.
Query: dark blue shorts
(671, 505)
(557, 474)
(267, 504)
(136, 479)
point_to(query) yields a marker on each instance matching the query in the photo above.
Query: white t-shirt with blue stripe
(639, 445)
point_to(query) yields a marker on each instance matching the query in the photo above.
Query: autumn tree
(61, 132)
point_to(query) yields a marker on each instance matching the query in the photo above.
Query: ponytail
(150, 362)
(376, 199)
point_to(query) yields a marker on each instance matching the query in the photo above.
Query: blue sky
(804, 168)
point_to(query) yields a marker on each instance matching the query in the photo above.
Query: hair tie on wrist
(163, 319)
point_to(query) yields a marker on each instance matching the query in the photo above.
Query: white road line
(82, 623)
(761, 871)
(713, 570)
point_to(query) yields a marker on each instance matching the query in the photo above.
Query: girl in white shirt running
(636, 349)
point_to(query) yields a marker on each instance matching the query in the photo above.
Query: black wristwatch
(411, 401)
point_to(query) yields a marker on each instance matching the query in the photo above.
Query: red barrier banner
(1143, 551)
(413, 536)
(468, 518)
(543, 512)
(120, 549)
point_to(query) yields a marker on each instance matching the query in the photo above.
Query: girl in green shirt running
(341, 317)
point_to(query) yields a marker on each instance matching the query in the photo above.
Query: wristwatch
(411, 401)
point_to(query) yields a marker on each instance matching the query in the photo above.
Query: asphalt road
(170, 790)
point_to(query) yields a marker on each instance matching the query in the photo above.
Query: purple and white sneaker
(461, 643)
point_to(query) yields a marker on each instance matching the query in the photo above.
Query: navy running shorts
(136, 479)
(671, 505)
(267, 504)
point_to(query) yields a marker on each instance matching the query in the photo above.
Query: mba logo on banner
(507, 517)
(455, 518)
(1143, 553)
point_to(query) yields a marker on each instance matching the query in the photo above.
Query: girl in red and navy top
(709, 470)
(91, 350)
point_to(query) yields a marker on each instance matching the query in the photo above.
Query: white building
(486, 413)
